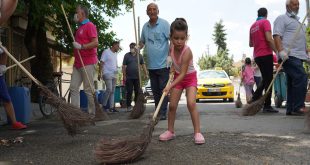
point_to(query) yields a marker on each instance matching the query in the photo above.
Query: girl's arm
(186, 58)
(7, 8)
(241, 76)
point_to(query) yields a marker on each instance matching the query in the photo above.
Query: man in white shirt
(108, 72)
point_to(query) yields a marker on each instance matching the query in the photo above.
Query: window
(212, 74)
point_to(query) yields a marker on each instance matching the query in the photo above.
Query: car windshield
(212, 74)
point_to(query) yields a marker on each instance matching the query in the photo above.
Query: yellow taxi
(214, 84)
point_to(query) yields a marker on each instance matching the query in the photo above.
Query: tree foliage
(101, 12)
(223, 61)
(46, 15)
(221, 58)
(306, 65)
(220, 36)
(206, 62)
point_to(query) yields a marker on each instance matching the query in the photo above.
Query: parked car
(147, 91)
(214, 84)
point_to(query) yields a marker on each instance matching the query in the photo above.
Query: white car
(147, 91)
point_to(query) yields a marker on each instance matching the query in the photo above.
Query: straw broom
(99, 114)
(238, 102)
(124, 150)
(256, 106)
(139, 107)
(72, 117)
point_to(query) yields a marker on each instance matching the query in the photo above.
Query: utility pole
(208, 50)
(308, 15)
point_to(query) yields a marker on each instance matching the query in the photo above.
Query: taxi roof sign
(218, 68)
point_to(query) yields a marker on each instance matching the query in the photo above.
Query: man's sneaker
(167, 135)
(294, 114)
(163, 117)
(18, 126)
(105, 110)
(269, 110)
(300, 112)
(129, 109)
(199, 139)
(113, 110)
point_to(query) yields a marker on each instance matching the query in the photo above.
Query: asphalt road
(230, 139)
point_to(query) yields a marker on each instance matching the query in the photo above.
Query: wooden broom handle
(137, 40)
(69, 27)
(21, 66)
(27, 59)
(162, 97)
(134, 20)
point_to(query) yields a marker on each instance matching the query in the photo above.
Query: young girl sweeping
(184, 78)
(247, 77)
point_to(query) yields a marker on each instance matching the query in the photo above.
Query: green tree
(222, 59)
(47, 15)
(220, 36)
(306, 65)
(206, 62)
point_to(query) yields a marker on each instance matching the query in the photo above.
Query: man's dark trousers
(131, 84)
(159, 79)
(296, 84)
(265, 64)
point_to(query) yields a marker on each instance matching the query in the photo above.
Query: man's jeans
(159, 79)
(296, 84)
(78, 76)
(110, 83)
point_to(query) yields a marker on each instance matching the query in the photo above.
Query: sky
(201, 16)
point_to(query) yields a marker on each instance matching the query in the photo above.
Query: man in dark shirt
(130, 73)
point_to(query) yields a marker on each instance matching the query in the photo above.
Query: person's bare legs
(191, 105)
(175, 96)
(8, 106)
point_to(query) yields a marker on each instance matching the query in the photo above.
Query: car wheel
(197, 100)
(224, 100)
(231, 99)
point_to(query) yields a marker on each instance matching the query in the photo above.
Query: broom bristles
(72, 117)
(124, 150)
(254, 107)
(139, 108)
(238, 102)
(100, 115)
